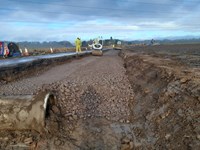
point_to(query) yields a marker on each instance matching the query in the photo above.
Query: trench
(166, 102)
(155, 121)
(164, 111)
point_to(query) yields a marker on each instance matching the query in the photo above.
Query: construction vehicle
(97, 47)
(10, 50)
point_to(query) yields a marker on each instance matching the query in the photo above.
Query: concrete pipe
(25, 112)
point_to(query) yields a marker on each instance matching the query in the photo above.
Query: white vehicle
(97, 47)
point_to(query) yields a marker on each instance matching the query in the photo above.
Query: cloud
(159, 25)
(64, 20)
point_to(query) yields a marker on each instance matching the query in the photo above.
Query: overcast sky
(57, 20)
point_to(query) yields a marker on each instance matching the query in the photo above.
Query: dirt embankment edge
(165, 110)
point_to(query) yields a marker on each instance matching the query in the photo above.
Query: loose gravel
(99, 89)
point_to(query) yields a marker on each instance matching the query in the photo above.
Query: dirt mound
(166, 104)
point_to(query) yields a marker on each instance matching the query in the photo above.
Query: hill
(36, 45)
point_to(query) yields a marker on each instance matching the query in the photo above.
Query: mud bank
(166, 107)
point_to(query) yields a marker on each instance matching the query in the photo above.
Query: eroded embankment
(166, 107)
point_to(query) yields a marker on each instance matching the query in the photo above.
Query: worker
(78, 44)
(6, 51)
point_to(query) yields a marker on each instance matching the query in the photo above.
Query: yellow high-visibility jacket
(78, 42)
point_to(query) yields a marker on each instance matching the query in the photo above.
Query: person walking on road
(78, 44)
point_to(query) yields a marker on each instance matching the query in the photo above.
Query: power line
(108, 26)
(101, 15)
(99, 8)
(63, 22)
(62, 12)
(58, 4)
(124, 1)
(57, 22)
(160, 2)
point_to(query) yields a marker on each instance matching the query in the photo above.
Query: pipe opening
(24, 112)
(52, 116)
(49, 102)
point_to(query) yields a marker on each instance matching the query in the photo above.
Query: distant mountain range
(166, 41)
(36, 45)
(61, 44)
(179, 41)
